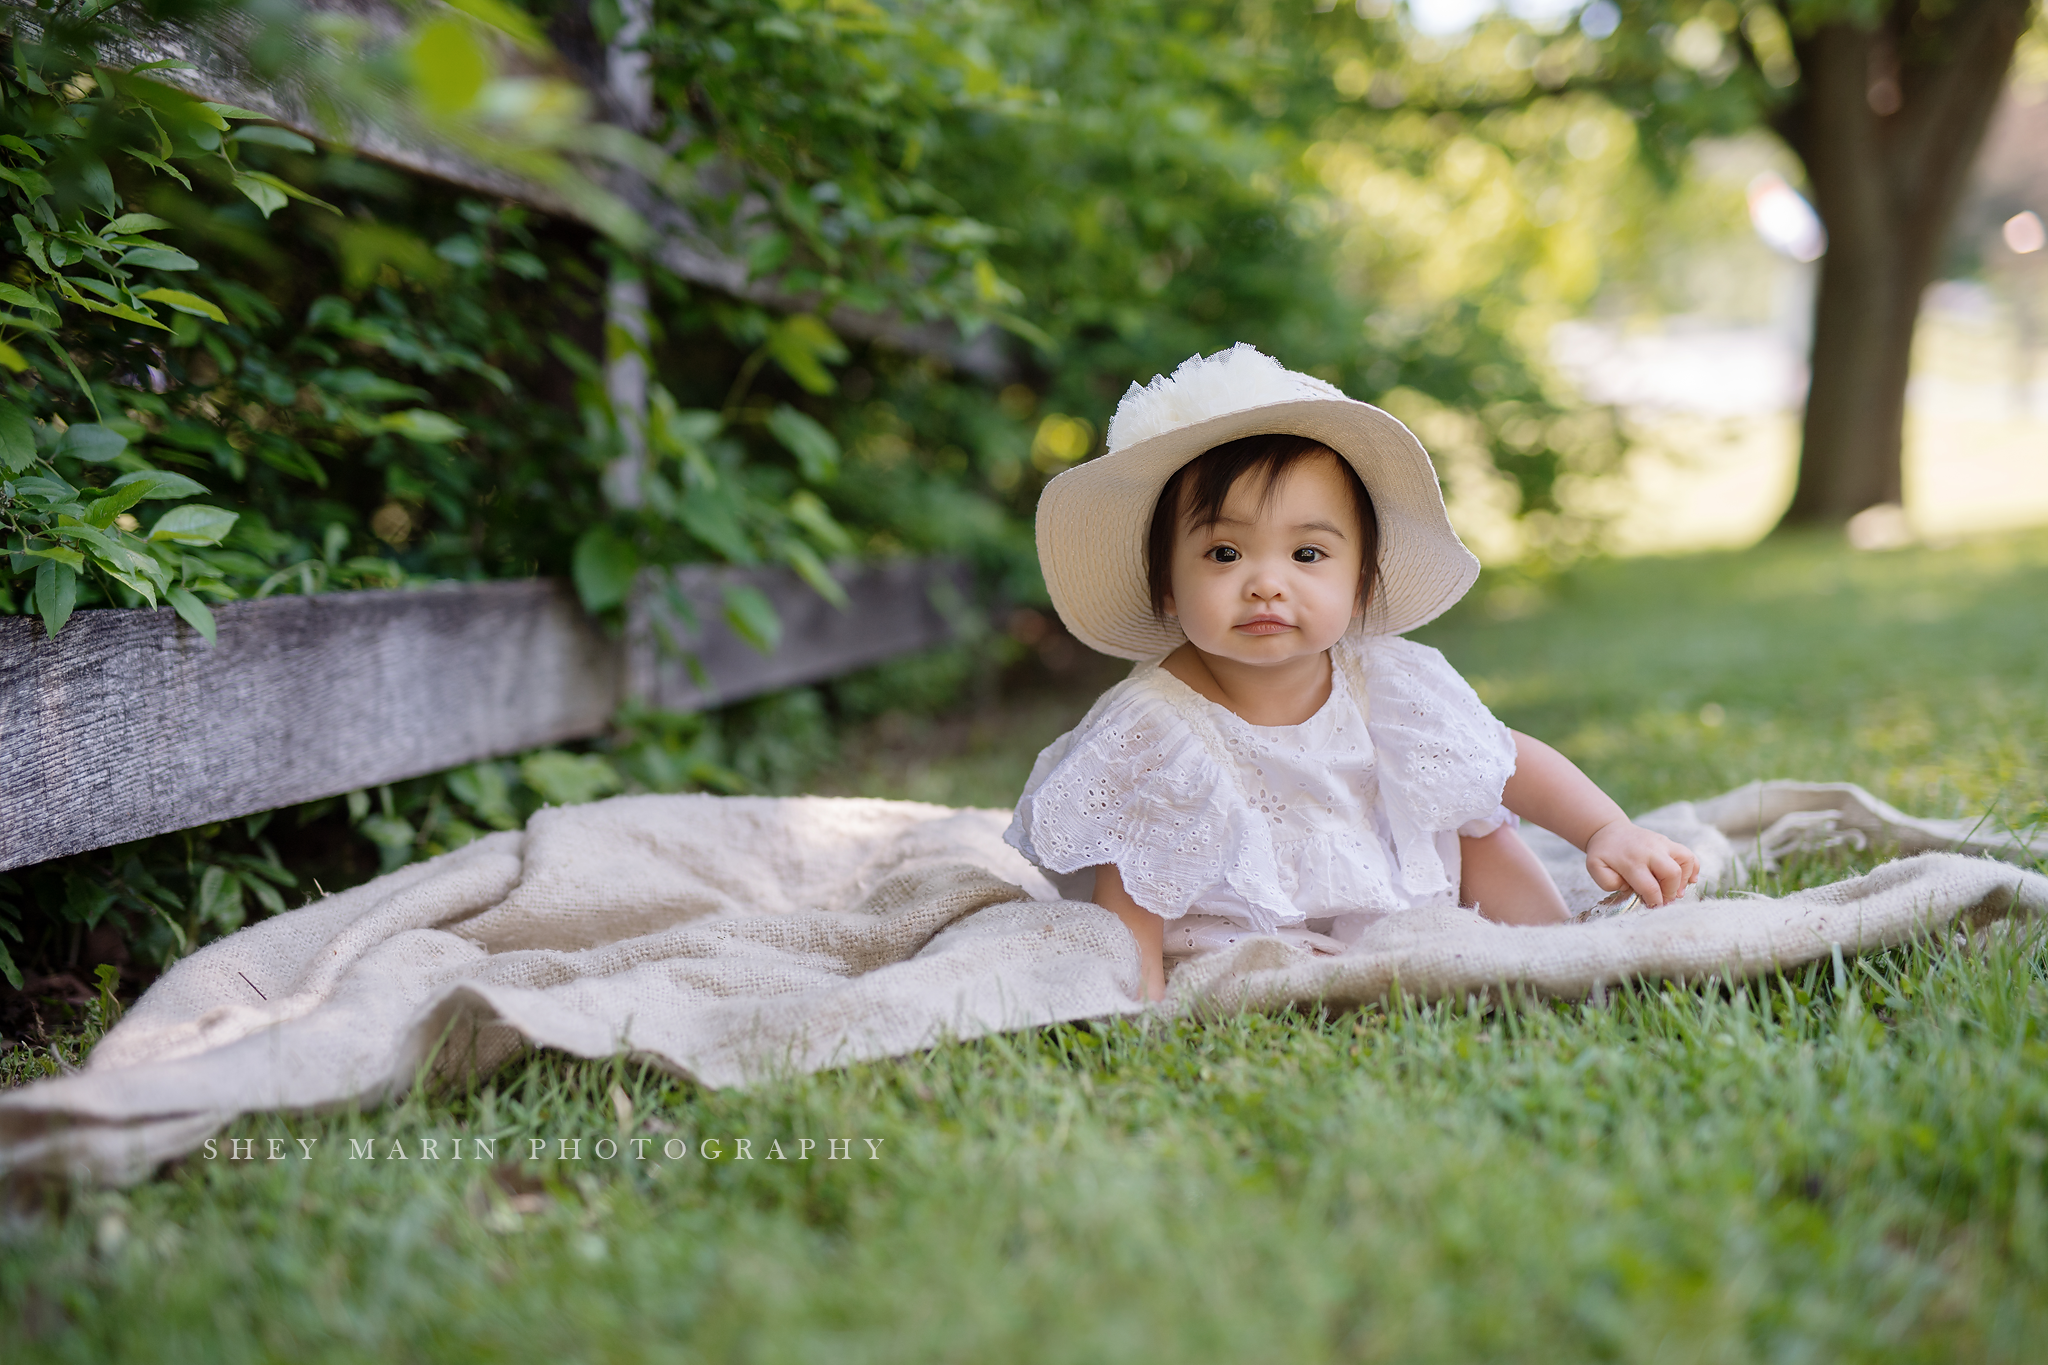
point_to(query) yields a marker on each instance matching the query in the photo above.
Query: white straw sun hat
(1094, 518)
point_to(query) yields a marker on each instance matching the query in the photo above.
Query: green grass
(1824, 1166)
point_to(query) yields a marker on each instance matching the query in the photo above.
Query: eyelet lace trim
(1201, 811)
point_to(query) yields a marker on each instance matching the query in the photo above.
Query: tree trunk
(1887, 121)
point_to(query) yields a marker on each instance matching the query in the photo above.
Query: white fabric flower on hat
(1209, 386)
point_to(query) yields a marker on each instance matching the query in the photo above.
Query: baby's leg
(1505, 883)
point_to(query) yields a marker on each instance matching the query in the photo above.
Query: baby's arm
(1547, 789)
(1147, 928)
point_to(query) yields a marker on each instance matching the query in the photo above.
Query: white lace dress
(1328, 825)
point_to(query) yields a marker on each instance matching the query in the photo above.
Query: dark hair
(1194, 497)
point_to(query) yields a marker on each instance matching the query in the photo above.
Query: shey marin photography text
(548, 1148)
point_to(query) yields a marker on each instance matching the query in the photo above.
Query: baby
(1281, 761)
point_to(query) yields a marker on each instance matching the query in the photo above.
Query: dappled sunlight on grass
(1921, 674)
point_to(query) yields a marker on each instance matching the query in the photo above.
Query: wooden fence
(127, 724)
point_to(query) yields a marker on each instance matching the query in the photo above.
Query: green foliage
(808, 126)
(167, 894)
(86, 273)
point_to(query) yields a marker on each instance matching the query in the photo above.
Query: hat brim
(1093, 521)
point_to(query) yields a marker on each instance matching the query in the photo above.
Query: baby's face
(1269, 585)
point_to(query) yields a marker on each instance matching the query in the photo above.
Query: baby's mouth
(1263, 625)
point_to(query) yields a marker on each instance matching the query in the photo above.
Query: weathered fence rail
(127, 724)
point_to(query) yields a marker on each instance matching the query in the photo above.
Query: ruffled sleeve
(1444, 759)
(1136, 785)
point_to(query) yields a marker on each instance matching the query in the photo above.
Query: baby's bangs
(1195, 495)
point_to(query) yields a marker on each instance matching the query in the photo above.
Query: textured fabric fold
(739, 939)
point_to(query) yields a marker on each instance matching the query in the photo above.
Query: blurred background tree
(1886, 106)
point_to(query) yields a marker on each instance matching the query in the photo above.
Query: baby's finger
(1689, 862)
(1604, 876)
(1644, 883)
(1670, 878)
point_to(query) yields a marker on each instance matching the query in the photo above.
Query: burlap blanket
(734, 939)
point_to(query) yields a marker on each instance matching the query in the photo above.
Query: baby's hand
(1624, 854)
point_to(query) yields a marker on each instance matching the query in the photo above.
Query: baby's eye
(1309, 554)
(1224, 554)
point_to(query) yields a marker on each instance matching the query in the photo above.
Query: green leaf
(603, 566)
(271, 136)
(801, 344)
(12, 359)
(693, 426)
(507, 19)
(450, 66)
(807, 511)
(766, 252)
(92, 442)
(56, 594)
(184, 303)
(569, 779)
(281, 186)
(142, 574)
(17, 438)
(194, 611)
(59, 554)
(86, 899)
(266, 197)
(44, 490)
(817, 453)
(752, 617)
(153, 160)
(484, 789)
(30, 182)
(393, 837)
(32, 242)
(109, 550)
(264, 892)
(72, 283)
(219, 899)
(116, 310)
(101, 512)
(158, 258)
(21, 298)
(710, 516)
(90, 175)
(179, 106)
(232, 111)
(420, 424)
(366, 386)
(135, 222)
(194, 524)
(161, 484)
(812, 570)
